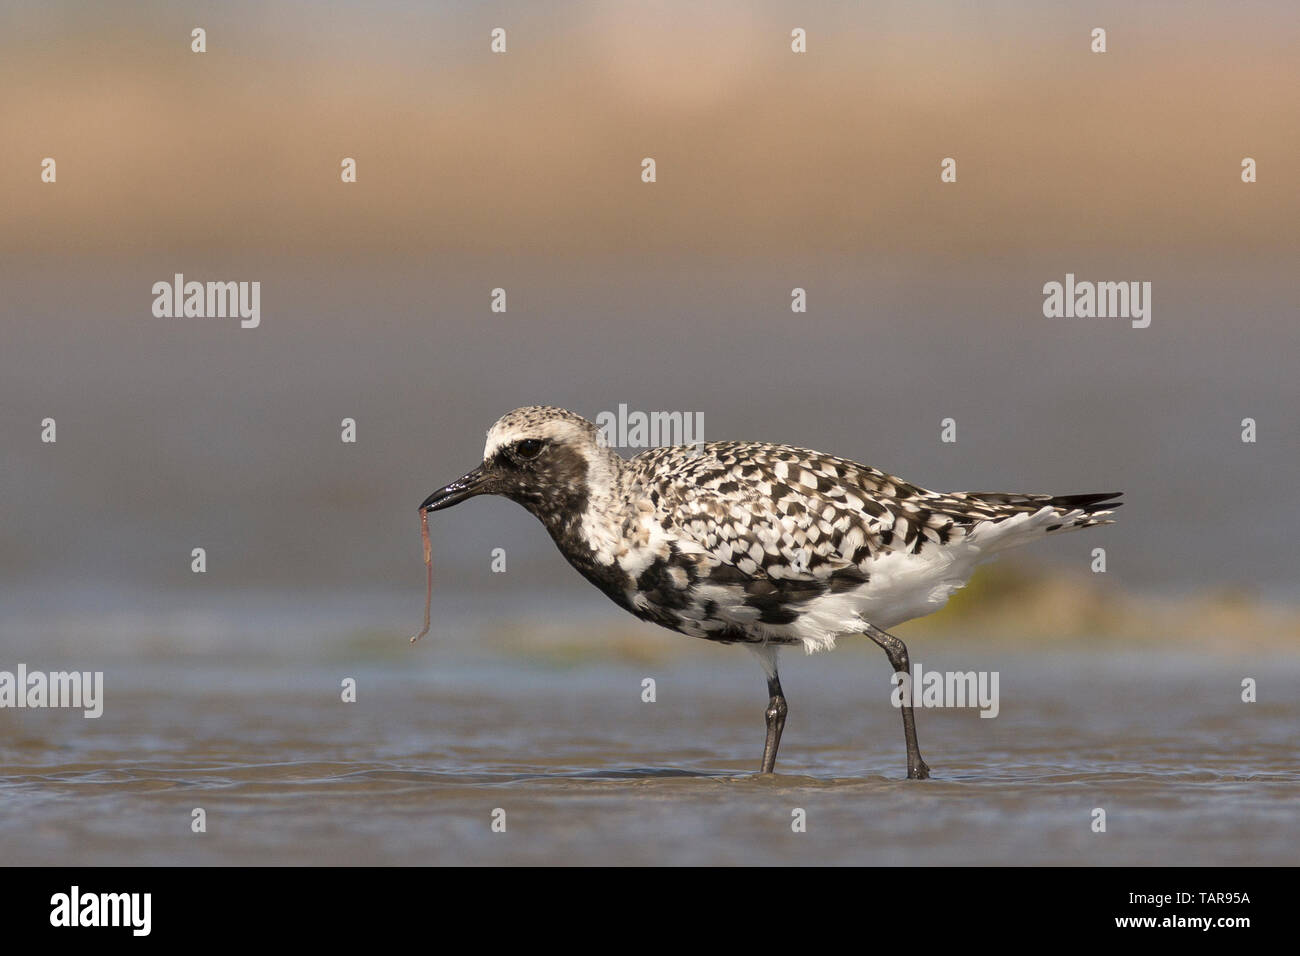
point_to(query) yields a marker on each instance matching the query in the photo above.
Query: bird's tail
(1095, 507)
(1017, 519)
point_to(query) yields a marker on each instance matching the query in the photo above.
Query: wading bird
(756, 544)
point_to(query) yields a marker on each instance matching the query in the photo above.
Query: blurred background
(522, 171)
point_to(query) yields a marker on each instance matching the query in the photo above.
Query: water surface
(588, 773)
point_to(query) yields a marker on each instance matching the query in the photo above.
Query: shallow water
(587, 772)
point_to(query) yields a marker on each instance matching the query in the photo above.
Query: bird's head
(547, 459)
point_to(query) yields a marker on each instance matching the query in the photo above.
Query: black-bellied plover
(756, 544)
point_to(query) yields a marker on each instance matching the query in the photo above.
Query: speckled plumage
(752, 543)
(758, 543)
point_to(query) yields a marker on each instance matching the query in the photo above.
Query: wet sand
(588, 773)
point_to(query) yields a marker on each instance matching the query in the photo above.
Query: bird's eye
(529, 448)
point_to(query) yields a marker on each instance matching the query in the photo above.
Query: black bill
(466, 486)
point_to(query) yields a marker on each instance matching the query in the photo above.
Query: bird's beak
(466, 486)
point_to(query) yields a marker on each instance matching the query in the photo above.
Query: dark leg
(897, 651)
(776, 711)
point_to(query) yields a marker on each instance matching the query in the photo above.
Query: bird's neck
(589, 527)
(579, 511)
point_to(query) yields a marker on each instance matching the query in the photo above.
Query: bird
(761, 545)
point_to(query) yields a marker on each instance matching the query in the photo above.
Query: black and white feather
(746, 542)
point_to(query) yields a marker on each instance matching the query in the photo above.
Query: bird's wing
(767, 529)
(779, 511)
(786, 514)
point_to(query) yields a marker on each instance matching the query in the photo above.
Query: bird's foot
(918, 771)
